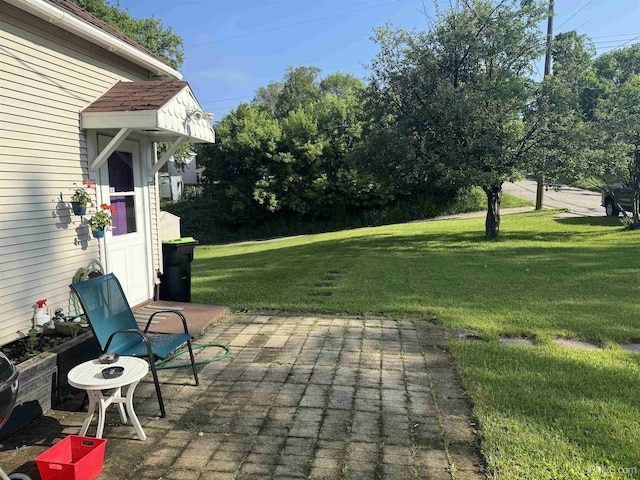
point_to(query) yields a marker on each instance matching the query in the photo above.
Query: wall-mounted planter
(98, 233)
(77, 209)
(42, 383)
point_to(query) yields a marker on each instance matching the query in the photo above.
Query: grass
(545, 277)
(511, 201)
(545, 412)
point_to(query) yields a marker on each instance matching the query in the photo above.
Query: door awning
(166, 111)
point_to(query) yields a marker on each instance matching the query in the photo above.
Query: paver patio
(299, 397)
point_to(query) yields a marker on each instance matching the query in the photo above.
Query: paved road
(579, 202)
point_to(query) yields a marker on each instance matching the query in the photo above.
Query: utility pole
(547, 72)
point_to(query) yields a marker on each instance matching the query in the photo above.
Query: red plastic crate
(73, 458)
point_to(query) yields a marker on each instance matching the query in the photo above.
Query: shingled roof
(75, 10)
(163, 110)
(137, 96)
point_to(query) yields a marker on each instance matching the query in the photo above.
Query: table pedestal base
(100, 401)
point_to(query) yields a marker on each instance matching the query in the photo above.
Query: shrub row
(201, 219)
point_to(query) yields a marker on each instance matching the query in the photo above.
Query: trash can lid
(180, 240)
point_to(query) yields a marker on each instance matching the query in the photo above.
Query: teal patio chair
(117, 331)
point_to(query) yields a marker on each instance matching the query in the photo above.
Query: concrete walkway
(579, 202)
(299, 397)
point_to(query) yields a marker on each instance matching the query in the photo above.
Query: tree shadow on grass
(591, 221)
(548, 282)
(552, 413)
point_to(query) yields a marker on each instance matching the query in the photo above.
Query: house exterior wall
(47, 76)
(188, 172)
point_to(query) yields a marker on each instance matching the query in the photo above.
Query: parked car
(623, 194)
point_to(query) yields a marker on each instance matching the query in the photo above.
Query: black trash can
(175, 283)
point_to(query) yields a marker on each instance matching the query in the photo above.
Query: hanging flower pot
(100, 220)
(81, 198)
(77, 209)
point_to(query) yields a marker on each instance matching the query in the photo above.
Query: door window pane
(121, 172)
(122, 193)
(124, 218)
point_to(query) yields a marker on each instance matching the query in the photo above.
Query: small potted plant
(101, 220)
(81, 198)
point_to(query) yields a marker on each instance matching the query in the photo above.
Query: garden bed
(43, 377)
(34, 344)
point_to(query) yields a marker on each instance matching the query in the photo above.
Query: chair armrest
(184, 320)
(144, 337)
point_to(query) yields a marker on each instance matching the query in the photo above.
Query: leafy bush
(205, 221)
(191, 192)
(471, 201)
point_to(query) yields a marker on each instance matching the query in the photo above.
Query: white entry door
(126, 252)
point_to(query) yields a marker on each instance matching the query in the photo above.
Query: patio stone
(516, 341)
(298, 397)
(575, 344)
(631, 347)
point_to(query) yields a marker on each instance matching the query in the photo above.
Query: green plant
(81, 195)
(34, 343)
(102, 218)
(191, 192)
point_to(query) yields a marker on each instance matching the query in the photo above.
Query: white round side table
(103, 392)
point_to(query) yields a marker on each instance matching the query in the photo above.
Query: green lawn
(511, 201)
(545, 412)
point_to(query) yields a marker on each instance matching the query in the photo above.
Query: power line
(222, 108)
(616, 47)
(349, 12)
(208, 102)
(607, 41)
(629, 41)
(620, 35)
(577, 12)
(580, 26)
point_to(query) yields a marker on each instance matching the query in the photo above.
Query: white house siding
(154, 206)
(149, 154)
(46, 79)
(187, 172)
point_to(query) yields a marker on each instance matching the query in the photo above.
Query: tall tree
(616, 112)
(269, 95)
(618, 65)
(457, 93)
(563, 145)
(619, 113)
(289, 152)
(237, 163)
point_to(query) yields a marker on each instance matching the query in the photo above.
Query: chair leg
(157, 383)
(193, 363)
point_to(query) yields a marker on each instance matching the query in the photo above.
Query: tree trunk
(635, 222)
(492, 224)
(540, 193)
(635, 175)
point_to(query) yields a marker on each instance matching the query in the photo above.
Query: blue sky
(232, 48)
